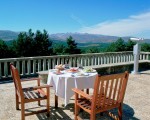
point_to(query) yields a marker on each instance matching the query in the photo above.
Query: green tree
(117, 46)
(72, 46)
(30, 44)
(145, 47)
(42, 43)
(4, 51)
(129, 45)
(92, 50)
(23, 46)
(59, 49)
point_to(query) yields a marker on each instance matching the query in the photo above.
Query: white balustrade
(32, 65)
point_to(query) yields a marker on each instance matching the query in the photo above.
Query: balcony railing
(32, 65)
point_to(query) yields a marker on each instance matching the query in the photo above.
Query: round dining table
(64, 81)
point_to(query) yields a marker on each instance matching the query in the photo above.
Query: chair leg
(22, 111)
(38, 83)
(76, 111)
(92, 117)
(56, 101)
(120, 111)
(17, 102)
(48, 109)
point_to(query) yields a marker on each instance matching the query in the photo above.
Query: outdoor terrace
(136, 102)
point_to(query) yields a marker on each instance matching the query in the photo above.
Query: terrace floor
(136, 102)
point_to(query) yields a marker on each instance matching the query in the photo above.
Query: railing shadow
(4, 81)
(60, 114)
(145, 73)
(57, 114)
(128, 114)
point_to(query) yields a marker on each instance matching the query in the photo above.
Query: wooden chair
(30, 94)
(108, 93)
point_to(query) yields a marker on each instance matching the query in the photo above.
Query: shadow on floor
(59, 114)
(2, 81)
(145, 73)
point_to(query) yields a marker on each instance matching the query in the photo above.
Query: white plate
(92, 71)
(72, 71)
(82, 74)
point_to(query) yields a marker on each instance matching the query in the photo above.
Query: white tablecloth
(63, 83)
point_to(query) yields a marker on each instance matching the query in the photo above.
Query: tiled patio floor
(136, 102)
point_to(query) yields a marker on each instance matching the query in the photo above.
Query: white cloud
(134, 25)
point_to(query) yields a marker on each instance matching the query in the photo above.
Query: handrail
(32, 65)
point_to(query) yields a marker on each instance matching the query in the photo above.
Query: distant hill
(90, 38)
(84, 37)
(7, 35)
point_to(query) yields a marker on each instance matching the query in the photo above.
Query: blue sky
(107, 17)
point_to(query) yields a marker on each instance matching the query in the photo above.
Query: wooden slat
(105, 92)
(115, 90)
(110, 91)
(119, 90)
(100, 95)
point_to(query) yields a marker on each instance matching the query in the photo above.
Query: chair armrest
(42, 86)
(37, 87)
(29, 79)
(83, 94)
(32, 79)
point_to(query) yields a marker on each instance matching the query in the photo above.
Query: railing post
(0, 70)
(62, 60)
(110, 57)
(104, 59)
(129, 57)
(85, 61)
(58, 61)
(28, 67)
(113, 58)
(5, 69)
(49, 65)
(23, 67)
(147, 57)
(34, 66)
(98, 60)
(101, 60)
(18, 66)
(44, 64)
(39, 65)
(53, 62)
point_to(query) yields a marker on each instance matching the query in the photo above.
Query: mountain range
(7, 35)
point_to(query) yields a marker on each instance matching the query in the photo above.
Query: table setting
(63, 79)
(72, 71)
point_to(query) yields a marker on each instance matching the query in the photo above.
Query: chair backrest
(109, 90)
(16, 80)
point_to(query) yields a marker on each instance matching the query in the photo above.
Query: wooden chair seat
(86, 104)
(31, 94)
